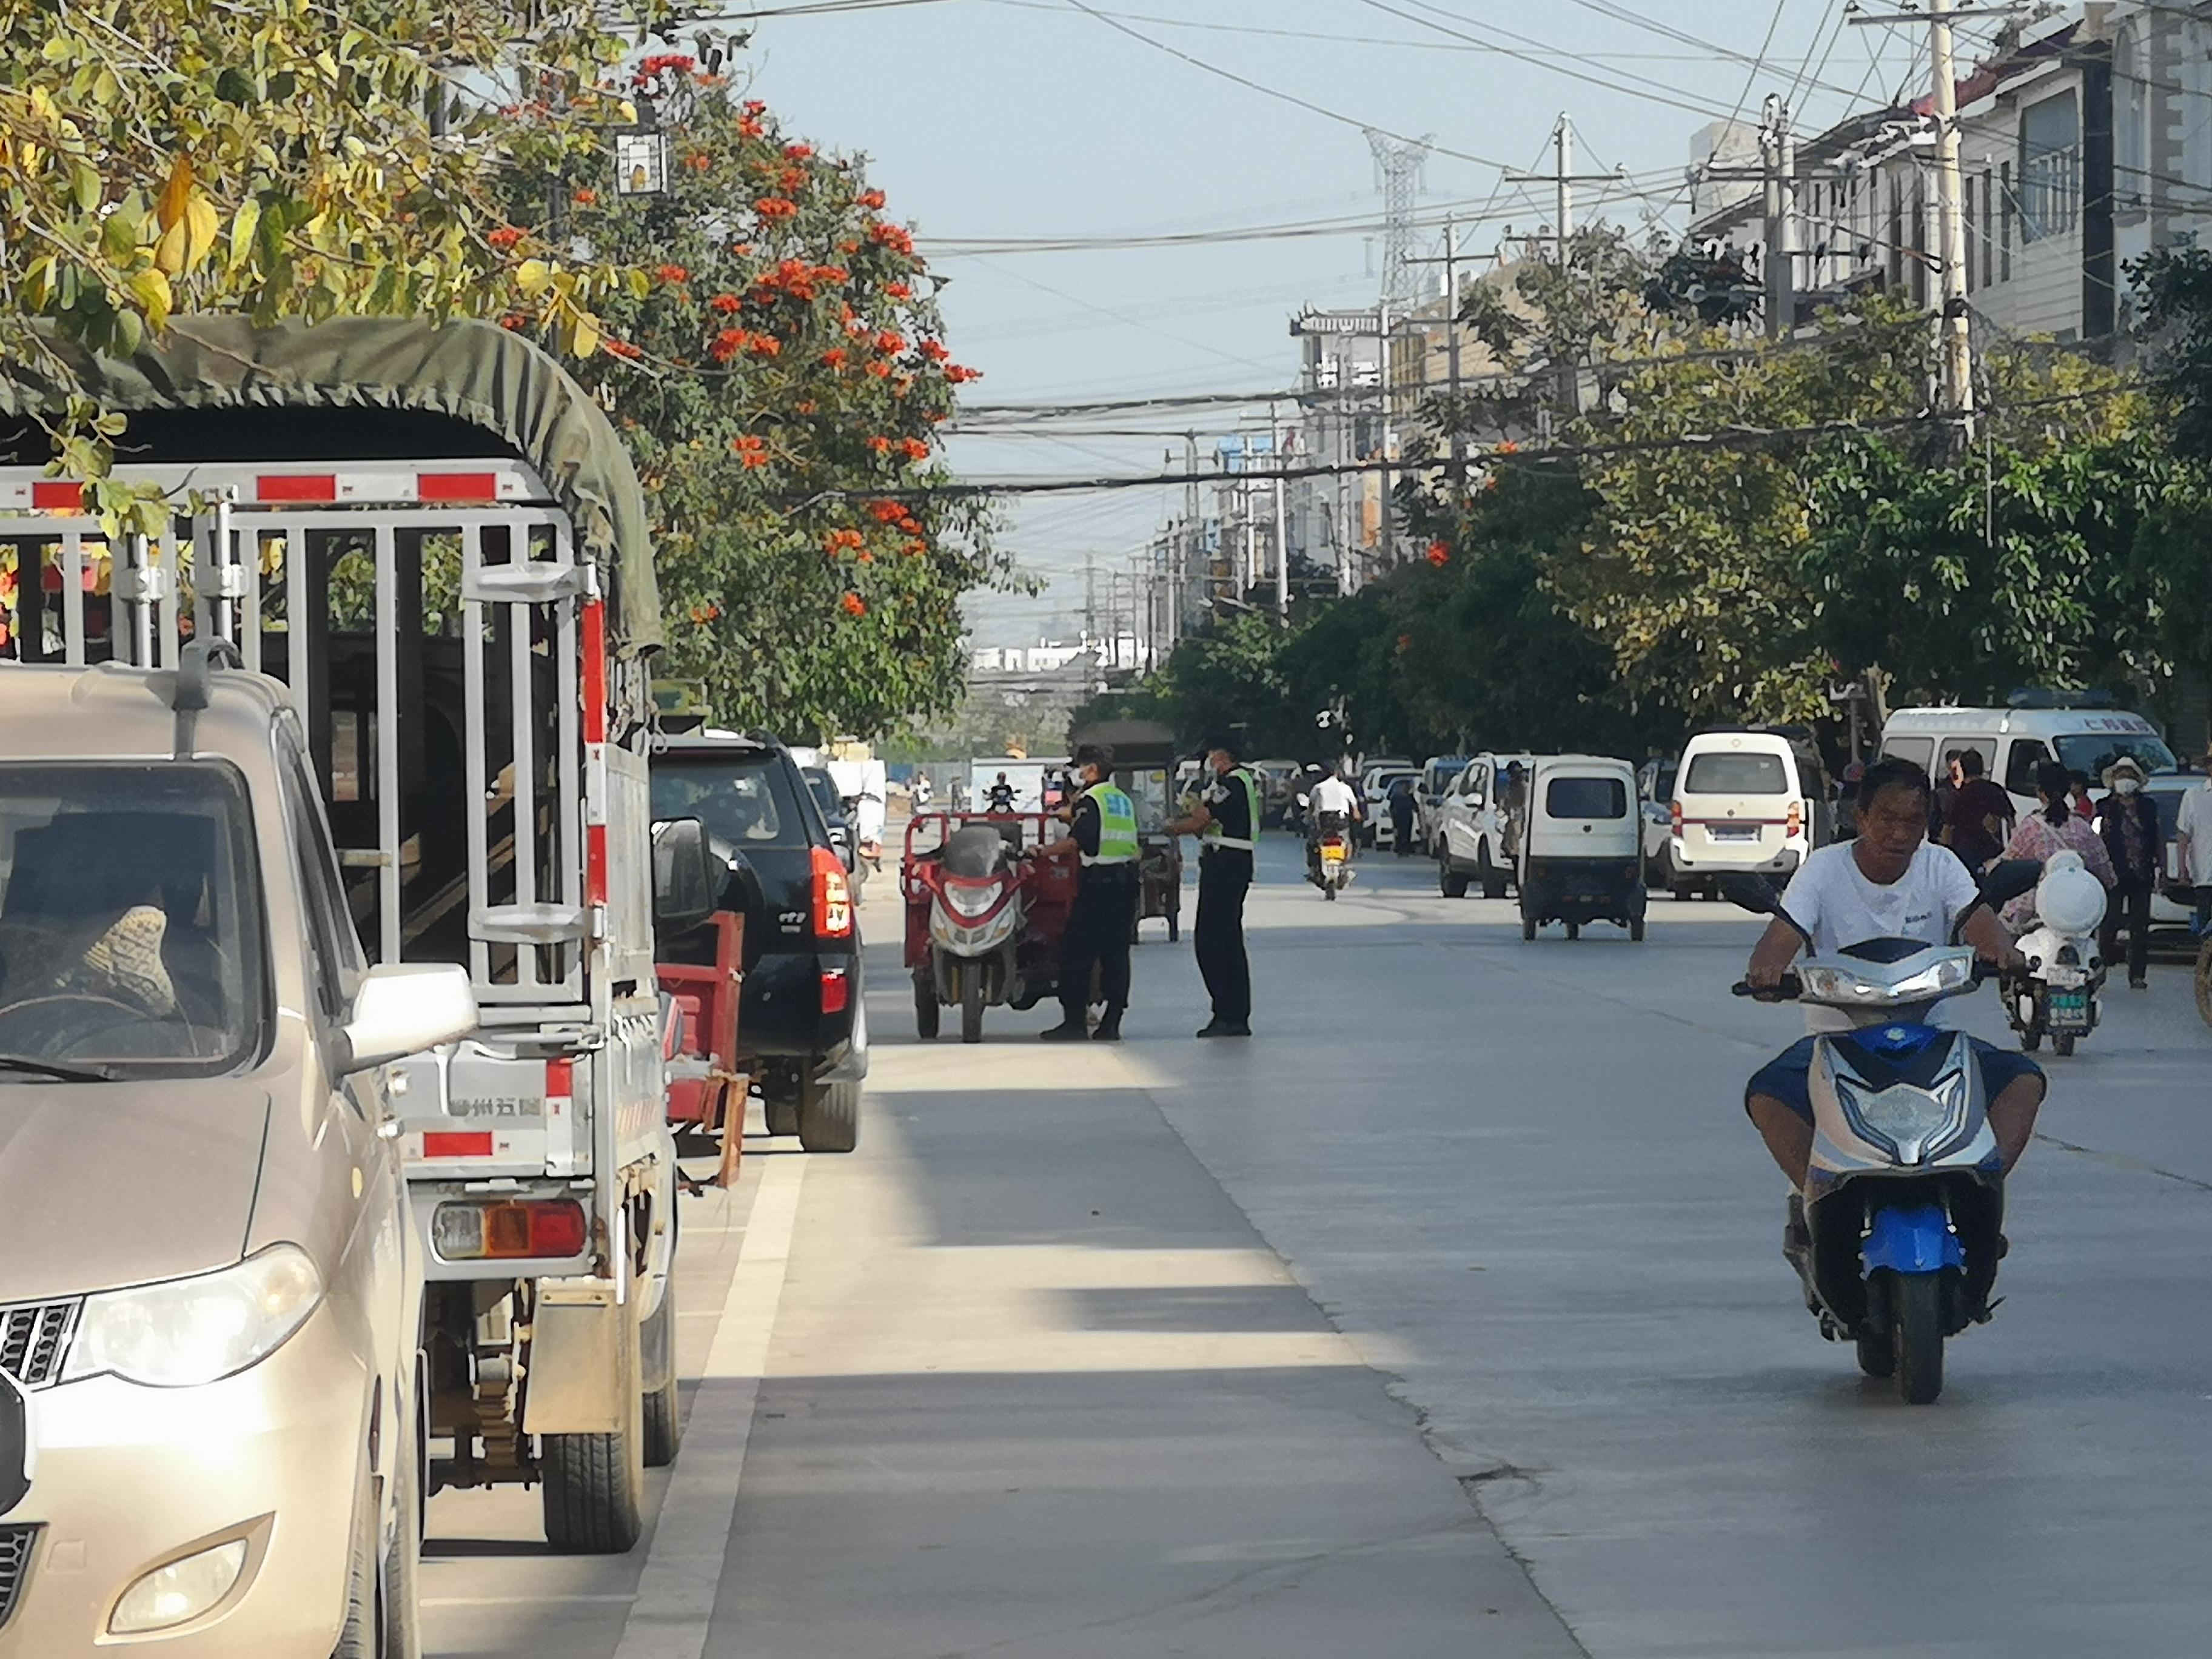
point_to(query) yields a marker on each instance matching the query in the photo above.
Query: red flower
(915, 549)
(898, 290)
(805, 405)
(798, 152)
(834, 357)
(837, 540)
(960, 375)
(881, 445)
(868, 557)
(915, 449)
(671, 273)
(587, 197)
(890, 344)
(624, 349)
(754, 107)
(1509, 447)
(831, 276)
(766, 345)
(774, 207)
(748, 128)
(887, 511)
(515, 321)
(723, 304)
(1439, 554)
(728, 344)
(871, 199)
(854, 605)
(792, 180)
(880, 370)
(935, 351)
(504, 238)
(743, 250)
(894, 237)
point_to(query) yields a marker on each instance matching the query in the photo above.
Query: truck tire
(829, 1117)
(926, 1009)
(593, 1495)
(664, 1413)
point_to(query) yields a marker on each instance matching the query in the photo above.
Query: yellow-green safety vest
(1212, 836)
(1118, 826)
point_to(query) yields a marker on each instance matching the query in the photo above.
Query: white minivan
(2011, 741)
(1746, 798)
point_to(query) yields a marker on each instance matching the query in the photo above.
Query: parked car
(1438, 773)
(1747, 798)
(1375, 827)
(802, 1023)
(210, 1288)
(1581, 857)
(1474, 839)
(1654, 792)
(831, 804)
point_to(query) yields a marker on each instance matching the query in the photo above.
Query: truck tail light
(1796, 824)
(1674, 817)
(536, 1229)
(837, 990)
(457, 1143)
(833, 896)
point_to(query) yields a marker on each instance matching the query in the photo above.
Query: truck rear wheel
(781, 1109)
(593, 1494)
(829, 1117)
(663, 1416)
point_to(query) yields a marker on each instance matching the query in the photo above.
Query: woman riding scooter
(2055, 828)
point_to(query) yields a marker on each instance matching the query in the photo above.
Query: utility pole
(1386, 525)
(1777, 151)
(1275, 438)
(1563, 178)
(1090, 602)
(1450, 263)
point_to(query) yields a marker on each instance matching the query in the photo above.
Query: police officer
(1105, 908)
(1226, 822)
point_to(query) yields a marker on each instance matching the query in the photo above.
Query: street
(1446, 1316)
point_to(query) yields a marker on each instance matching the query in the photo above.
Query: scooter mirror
(1751, 892)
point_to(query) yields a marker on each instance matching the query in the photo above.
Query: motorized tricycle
(986, 900)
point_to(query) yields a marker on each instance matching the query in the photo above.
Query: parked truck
(433, 538)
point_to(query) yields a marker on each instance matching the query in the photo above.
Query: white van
(2038, 726)
(1582, 858)
(1746, 798)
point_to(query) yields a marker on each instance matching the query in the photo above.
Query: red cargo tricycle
(986, 900)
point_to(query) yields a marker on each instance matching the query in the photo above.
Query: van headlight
(184, 1332)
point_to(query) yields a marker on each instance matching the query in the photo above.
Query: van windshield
(1586, 798)
(131, 940)
(1736, 772)
(2089, 753)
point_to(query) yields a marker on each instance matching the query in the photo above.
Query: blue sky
(1040, 118)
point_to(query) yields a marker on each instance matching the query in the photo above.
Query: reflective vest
(1118, 826)
(1212, 836)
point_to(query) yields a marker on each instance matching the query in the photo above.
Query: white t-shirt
(1333, 795)
(1831, 899)
(2195, 821)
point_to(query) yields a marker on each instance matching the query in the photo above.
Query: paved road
(1447, 1316)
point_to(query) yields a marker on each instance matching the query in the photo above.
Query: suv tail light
(1674, 817)
(1796, 824)
(837, 990)
(515, 1229)
(833, 896)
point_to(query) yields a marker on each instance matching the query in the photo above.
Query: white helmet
(2068, 899)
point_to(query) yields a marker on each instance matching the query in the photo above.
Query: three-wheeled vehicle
(1144, 769)
(987, 900)
(1581, 852)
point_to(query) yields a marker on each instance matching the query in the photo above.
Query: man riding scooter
(1331, 805)
(1889, 884)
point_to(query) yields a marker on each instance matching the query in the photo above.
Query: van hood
(104, 1185)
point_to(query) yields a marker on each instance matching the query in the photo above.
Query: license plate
(1732, 831)
(1332, 854)
(2069, 1011)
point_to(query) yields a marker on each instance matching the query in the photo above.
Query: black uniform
(1225, 874)
(1099, 923)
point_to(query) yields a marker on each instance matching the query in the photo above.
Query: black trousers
(1401, 833)
(1219, 934)
(1097, 932)
(2128, 907)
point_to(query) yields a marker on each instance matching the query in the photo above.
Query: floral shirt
(2038, 838)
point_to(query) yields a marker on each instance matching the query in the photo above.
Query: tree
(780, 374)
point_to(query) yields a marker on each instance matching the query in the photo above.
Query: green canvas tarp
(473, 372)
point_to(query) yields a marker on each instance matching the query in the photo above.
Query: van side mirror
(684, 875)
(404, 1008)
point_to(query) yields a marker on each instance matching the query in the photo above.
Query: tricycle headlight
(184, 1331)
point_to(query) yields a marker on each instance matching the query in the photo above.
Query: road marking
(513, 1600)
(683, 1571)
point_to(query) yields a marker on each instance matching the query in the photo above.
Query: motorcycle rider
(1104, 913)
(999, 797)
(1890, 883)
(1331, 806)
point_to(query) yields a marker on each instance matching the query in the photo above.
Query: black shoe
(1109, 1027)
(1068, 1031)
(1220, 1027)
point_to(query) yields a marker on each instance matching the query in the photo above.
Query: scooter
(978, 910)
(2057, 994)
(1903, 1198)
(1330, 866)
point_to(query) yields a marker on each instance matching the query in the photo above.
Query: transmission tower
(1399, 166)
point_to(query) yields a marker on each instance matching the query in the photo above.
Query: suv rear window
(1586, 798)
(131, 938)
(1736, 772)
(744, 798)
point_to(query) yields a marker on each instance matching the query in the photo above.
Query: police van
(2079, 731)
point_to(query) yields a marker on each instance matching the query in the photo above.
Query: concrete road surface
(1445, 1316)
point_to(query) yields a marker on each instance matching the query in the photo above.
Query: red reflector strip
(559, 1079)
(63, 493)
(296, 487)
(457, 486)
(591, 647)
(595, 864)
(450, 1142)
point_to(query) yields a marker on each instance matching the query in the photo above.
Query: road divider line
(683, 1575)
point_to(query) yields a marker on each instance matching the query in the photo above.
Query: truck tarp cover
(475, 372)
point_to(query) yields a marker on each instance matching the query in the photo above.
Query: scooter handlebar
(1786, 989)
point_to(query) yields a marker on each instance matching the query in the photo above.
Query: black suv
(801, 1023)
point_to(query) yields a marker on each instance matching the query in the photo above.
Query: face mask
(2125, 786)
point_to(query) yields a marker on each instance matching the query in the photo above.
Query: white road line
(684, 1569)
(513, 1600)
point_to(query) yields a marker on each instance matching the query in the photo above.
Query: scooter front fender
(1911, 1239)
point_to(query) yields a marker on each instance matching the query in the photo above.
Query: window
(2130, 145)
(335, 958)
(1989, 230)
(2087, 754)
(1896, 236)
(1966, 233)
(2049, 167)
(744, 797)
(2009, 203)
(1921, 751)
(1919, 250)
(131, 938)
(1736, 772)
(1586, 798)
(2019, 765)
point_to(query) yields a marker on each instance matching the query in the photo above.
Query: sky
(1012, 121)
